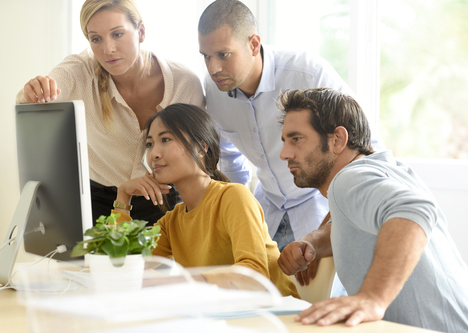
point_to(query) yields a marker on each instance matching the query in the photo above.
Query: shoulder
(82, 62)
(179, 71)
(230, 193)
(300, 61)
(359, 174)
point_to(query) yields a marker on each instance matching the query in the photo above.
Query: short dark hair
(231, 13)
(329, 109)
(193, 127)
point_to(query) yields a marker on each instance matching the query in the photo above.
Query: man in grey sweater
(389, 239)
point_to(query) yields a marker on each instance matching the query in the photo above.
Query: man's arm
(399, 247)
(232, 162)
(301, 257)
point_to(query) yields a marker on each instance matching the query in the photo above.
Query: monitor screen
(53, 167)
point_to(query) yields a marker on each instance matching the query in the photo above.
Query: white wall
(448, 181)
(33, 37)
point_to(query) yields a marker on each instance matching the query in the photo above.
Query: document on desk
(288, 306)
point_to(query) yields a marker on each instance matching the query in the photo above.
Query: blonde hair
(91, 7)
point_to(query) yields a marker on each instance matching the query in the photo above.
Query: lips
(220, 80)
(158, 167)
(292, 167)
(112, 61)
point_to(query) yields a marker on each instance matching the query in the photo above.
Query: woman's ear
(142, 32)
(339, 139)
(205, 146)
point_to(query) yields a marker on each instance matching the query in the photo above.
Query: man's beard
(314, 177)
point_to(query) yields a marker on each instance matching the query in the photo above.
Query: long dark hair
(195, 129)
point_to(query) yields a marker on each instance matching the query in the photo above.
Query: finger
(53, 88)
(313, 266)
(289, 263)
(299, 278)
(156, 192)
(305, 276)
(29, 94)
(309, 252)
(44, 81)
(313, 314)
(334, 316)
(297, 256)
(37, 89)
(356, 318)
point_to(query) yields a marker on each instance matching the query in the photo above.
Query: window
(424, 78)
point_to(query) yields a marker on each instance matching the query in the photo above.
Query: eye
(95, 40)
(296, 139)
(148, 145)
(118, 34)
(165, 140)
(224, 54)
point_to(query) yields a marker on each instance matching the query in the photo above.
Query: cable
(39, 228)
(7, 243)
(60, 249)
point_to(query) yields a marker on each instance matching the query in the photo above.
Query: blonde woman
(122, 86)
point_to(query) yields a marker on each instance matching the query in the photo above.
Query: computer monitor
(55, 203)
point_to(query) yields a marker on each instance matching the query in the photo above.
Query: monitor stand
(18, 224)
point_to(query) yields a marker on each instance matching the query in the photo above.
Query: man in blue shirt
(390, 241)
(245, 80)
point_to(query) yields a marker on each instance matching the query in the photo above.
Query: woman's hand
(146, 186)
(40, 89)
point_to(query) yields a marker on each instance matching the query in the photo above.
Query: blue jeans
(284, 235)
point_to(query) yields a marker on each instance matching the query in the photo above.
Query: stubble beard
(314, 177)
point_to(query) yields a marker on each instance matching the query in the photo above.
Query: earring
(200, 155)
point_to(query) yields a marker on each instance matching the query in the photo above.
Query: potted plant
(116, 251)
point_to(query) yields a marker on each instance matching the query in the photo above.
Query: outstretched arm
(399, 247)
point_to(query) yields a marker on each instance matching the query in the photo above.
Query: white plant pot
(105, 277)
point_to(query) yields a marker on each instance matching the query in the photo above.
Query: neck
(192, 190)
(136, 76)
(342, 160)
(249, 87)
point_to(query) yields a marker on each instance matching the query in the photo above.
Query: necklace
(354, 157)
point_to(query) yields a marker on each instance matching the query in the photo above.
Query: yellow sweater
(226, 228)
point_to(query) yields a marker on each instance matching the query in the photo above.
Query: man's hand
(296, 257)
(301, 257)
(354, 309)
(304, 277)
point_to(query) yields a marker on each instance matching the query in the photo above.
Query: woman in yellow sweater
(218, 223)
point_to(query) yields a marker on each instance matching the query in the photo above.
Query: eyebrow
(94, 32)
(164, 132)
(291, 134)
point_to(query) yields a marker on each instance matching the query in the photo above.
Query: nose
(109, 46)
(286, 153)
(152, 154)
(213, 66)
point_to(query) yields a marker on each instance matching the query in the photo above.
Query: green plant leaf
(114, 251)
(79, 250)
(114, 234)
(118, 239)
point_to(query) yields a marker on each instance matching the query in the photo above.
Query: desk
(13, 319)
